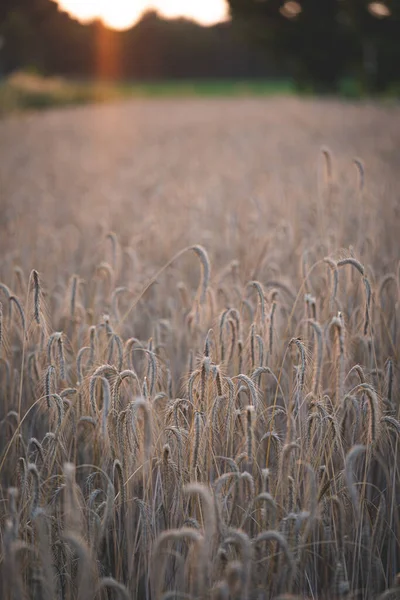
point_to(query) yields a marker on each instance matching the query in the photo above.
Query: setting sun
(122, 14)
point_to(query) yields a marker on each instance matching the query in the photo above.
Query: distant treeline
(38, 34)
(325, 41)
(316, 42)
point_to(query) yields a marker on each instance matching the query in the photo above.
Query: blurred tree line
(318, 42)
(324, 41)
(37, 34)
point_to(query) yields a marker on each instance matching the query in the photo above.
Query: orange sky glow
(122, 14)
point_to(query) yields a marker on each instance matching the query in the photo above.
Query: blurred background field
(30, 91)
(23, 91)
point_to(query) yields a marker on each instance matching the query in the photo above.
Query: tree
(19, 41)
(375, 27)
(323, 40)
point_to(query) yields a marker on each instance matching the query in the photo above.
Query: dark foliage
(37, 34)
(327, 40)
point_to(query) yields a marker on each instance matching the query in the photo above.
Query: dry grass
(24, 91)
(199, 351)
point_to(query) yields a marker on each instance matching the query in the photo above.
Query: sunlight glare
(379, 10)
(291, 9)
(122, 14)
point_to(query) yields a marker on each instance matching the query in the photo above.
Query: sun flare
(122, 14)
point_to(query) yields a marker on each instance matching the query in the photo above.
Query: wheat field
(199, 356)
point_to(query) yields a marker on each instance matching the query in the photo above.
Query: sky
(121, 14)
